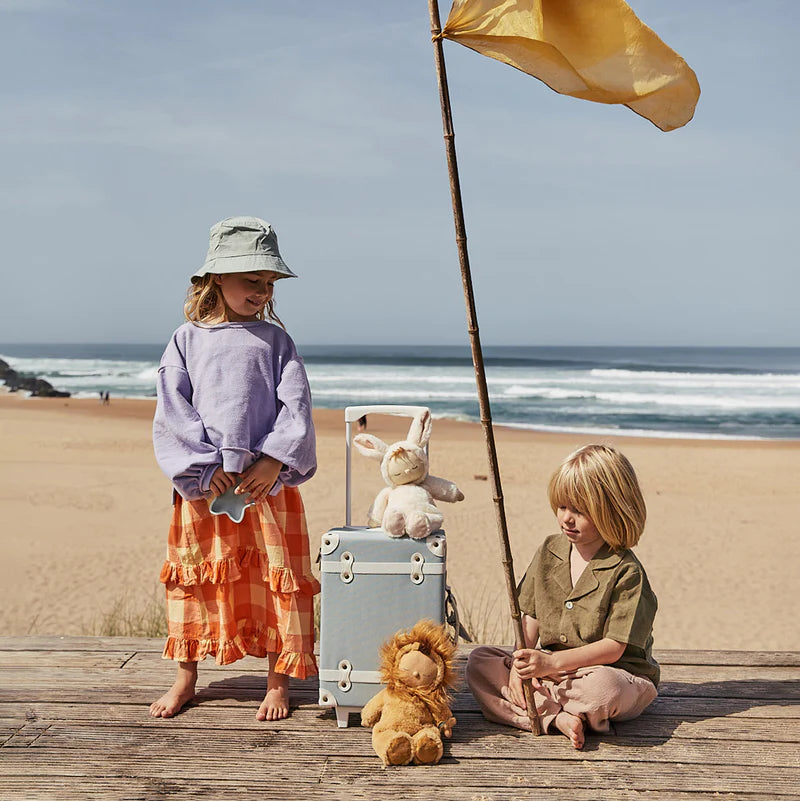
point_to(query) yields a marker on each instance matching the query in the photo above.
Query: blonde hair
(601, 483)
(204, 304)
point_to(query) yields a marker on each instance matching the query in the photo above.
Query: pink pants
(597, 694)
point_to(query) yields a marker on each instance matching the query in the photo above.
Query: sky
(129, 128)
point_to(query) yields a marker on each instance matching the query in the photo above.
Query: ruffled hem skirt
(241, 589)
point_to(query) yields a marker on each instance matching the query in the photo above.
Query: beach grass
(131, 617)
(485, 618)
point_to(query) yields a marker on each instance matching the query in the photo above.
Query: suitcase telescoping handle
(354, 413)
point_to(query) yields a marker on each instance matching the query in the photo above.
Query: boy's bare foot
(275, 705)
(572, 726)
(177, 696)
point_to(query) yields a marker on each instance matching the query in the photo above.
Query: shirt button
(562, 637)
(569, 604)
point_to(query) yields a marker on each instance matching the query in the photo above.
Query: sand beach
(84, 510)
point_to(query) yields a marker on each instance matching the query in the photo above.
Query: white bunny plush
(405, 505)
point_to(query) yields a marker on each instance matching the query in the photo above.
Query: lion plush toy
(412, 713)
(405, 505)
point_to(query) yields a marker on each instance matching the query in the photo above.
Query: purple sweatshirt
(227, 394)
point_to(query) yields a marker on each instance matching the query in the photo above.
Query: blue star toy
(230, 504)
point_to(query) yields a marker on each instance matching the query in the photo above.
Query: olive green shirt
(612, 598)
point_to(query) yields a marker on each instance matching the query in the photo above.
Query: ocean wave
(149, 374)
(606, 431)
(387, 377)
(644, 399)
(695, 379)
(700, 401)
(390, 396)
(653, 392)
(550, 393)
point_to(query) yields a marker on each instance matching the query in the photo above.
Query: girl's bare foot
(177, 696)
(572, 726)
(275, 705)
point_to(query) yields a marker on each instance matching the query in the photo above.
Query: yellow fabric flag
(591, 49)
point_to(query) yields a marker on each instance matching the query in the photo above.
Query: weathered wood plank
(309, 721)
(600, 776)
(684, 707)
(73, 685)
(728, 673)
(72, 643)
(126, 788)
(113, 742)
(366, 772)
(74, 725)
(158, 673)
(725, 729)
(676, 665)
(232, 697)
(76, 660)
(742, 658)
(687, 706)
(782, 726)
(144, 665)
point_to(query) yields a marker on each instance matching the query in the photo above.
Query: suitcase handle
(353, 413)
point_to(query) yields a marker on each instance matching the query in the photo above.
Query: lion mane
(431, 639)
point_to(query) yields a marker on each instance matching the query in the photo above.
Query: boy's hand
(514, 692)
(259, 478)
(531, 664)
(222, 481)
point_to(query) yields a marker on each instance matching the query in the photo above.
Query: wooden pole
(477, 354)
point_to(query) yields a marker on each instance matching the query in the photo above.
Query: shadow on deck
(74, 724)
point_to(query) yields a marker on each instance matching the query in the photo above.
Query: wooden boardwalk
(74, 725)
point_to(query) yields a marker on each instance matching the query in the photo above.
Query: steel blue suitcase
(372, 586)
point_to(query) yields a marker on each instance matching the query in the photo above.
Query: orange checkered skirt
(236, 589)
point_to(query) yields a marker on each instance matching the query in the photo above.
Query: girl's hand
(222, 481)
(259, 478)
(530, 664)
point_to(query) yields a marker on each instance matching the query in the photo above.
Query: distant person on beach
(586, 599)
(106, 398)
(362, 423)
(234, 407)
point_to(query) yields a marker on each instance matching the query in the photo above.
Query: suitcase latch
(345, 668)
(346, 563)
(417, 568)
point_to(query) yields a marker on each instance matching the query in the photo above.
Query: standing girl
(234, 407)
(586, 599)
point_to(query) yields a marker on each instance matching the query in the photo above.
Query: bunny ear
(370, 446)
(420, 431)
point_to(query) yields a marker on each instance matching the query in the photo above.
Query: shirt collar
(605, 558)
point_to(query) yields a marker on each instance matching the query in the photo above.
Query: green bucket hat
(242, 245)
